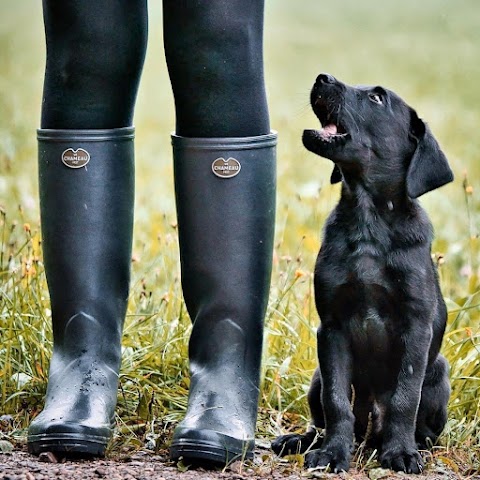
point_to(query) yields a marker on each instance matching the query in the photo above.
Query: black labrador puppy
(376, 287)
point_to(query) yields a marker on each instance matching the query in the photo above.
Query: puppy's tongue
(328, 130)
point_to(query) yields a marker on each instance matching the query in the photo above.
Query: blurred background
(428, 52)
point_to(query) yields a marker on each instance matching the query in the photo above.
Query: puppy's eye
(376, 98)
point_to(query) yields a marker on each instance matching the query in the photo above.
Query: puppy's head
(370, 133)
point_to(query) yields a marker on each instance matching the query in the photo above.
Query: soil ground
(142, 465)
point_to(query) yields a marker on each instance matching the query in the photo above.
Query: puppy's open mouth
(332, 129)
(332, 133)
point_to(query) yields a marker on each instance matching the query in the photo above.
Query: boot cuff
(221, 143)
(53, 135)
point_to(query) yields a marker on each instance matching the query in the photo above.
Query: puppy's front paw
(294, 444)
(402, 459)
(336, 458)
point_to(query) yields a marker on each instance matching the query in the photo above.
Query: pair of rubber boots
(225, 194)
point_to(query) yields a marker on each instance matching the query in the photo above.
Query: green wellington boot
(86, 199)
(225, 193)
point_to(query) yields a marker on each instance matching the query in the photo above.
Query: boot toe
(68, 443)
(202, 446)
(67, 437)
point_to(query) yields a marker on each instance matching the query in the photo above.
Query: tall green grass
(428, 52)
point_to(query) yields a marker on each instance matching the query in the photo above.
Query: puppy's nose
(326, 78)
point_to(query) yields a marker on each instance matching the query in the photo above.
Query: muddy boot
(86, 198)
(225, 193)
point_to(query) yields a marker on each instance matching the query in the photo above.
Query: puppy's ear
(429, 167)
(336, 176)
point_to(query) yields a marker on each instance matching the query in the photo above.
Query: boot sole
(69, 444)
(214, 447)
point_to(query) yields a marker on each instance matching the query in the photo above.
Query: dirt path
(19, 465)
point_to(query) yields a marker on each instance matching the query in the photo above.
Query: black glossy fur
(376, 287)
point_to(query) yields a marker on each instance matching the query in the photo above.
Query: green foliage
(428, 52)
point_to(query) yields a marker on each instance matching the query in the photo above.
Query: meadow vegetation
(426, 51)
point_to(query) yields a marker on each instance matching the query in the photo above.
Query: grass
(428, 52)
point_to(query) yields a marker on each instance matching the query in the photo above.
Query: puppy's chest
(365, 258)
(366, 266)
(367, 305)
(365, 292)
(371, 289)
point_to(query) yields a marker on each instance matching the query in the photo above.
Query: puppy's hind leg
(432, 412)
(294, 444)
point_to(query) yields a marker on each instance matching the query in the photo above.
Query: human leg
(86, 180)
(214, 54)
(95, 54)
(224, 159)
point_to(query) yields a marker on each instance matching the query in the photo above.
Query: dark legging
(96, 50)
